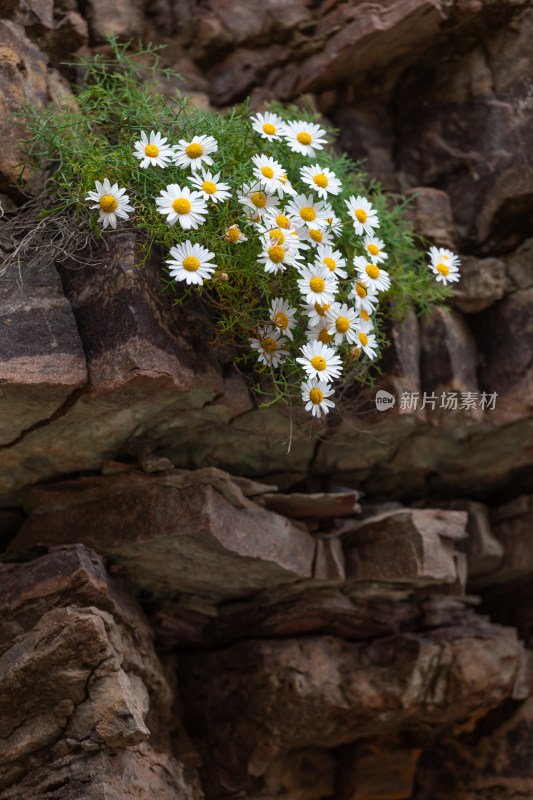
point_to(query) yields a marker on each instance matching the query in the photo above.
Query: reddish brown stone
(410, 545)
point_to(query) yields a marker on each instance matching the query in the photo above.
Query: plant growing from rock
(300, 256)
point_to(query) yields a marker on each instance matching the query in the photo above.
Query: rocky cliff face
(187, 608)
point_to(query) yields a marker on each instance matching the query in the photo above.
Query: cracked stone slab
(171, 532)
(41, 355)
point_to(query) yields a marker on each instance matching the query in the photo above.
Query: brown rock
(432, 215)
(410, 545)
(423, 681)
(511, 525)
(378, 771)
(483, 282)
(507, 371)
(148, 381)
(170, 533)
(448, 365)
(41, 356)
(136, 772)
(231, 79)
(122, 18)
(369, 38)
(76, 652)
(318, 505)
(22, 80)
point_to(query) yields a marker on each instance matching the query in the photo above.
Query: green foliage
(91, 138)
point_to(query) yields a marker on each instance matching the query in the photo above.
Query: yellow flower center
(372, 271)
(233, 234)
(191, 264)
(318, 363)
(355, 353)
(283, 221)
(259, 199)
(330, 263)
(281, 320)
(181, 205)
(270, 345)
(442, 268)
(324, 336)
(316, 235)
(316, 284)
(372, 249)
(364, 315)
(269, 129)
(276, 254)
(151, 150)
(268, 172)
(194, 150)
(209, 187)
(342, 324)
(363, 338)
(307, 213)
(108, 203)
(278, 236)
(304, 138)
(316, 396)
(321, 180)
(361, 289)
(360, 215)
(321, 310)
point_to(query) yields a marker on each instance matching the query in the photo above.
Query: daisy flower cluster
(285, 240)
(444, 264)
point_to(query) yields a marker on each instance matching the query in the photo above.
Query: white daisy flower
(377, 279)
(342, 323)
(308, 211)
(210, 186)
(153, 151)
(270, 344)
(315, 236)
(444, 264)
(321, 179)
(111, 201)
(268, 125)
(320, 361)
(363, 216)
(304, 137)
(314, 395)
(367, 342)
(282, 316)
(271, 175)
(317, 284)
(446, 273)
(325, 254)
(374, 248)
(316, 313)
(441, 254)
(195, 152)
(319, 333)
(181, 204)
(257, 201)
(234, 234)
(190, 262)
(365, 298)
(276, 256)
